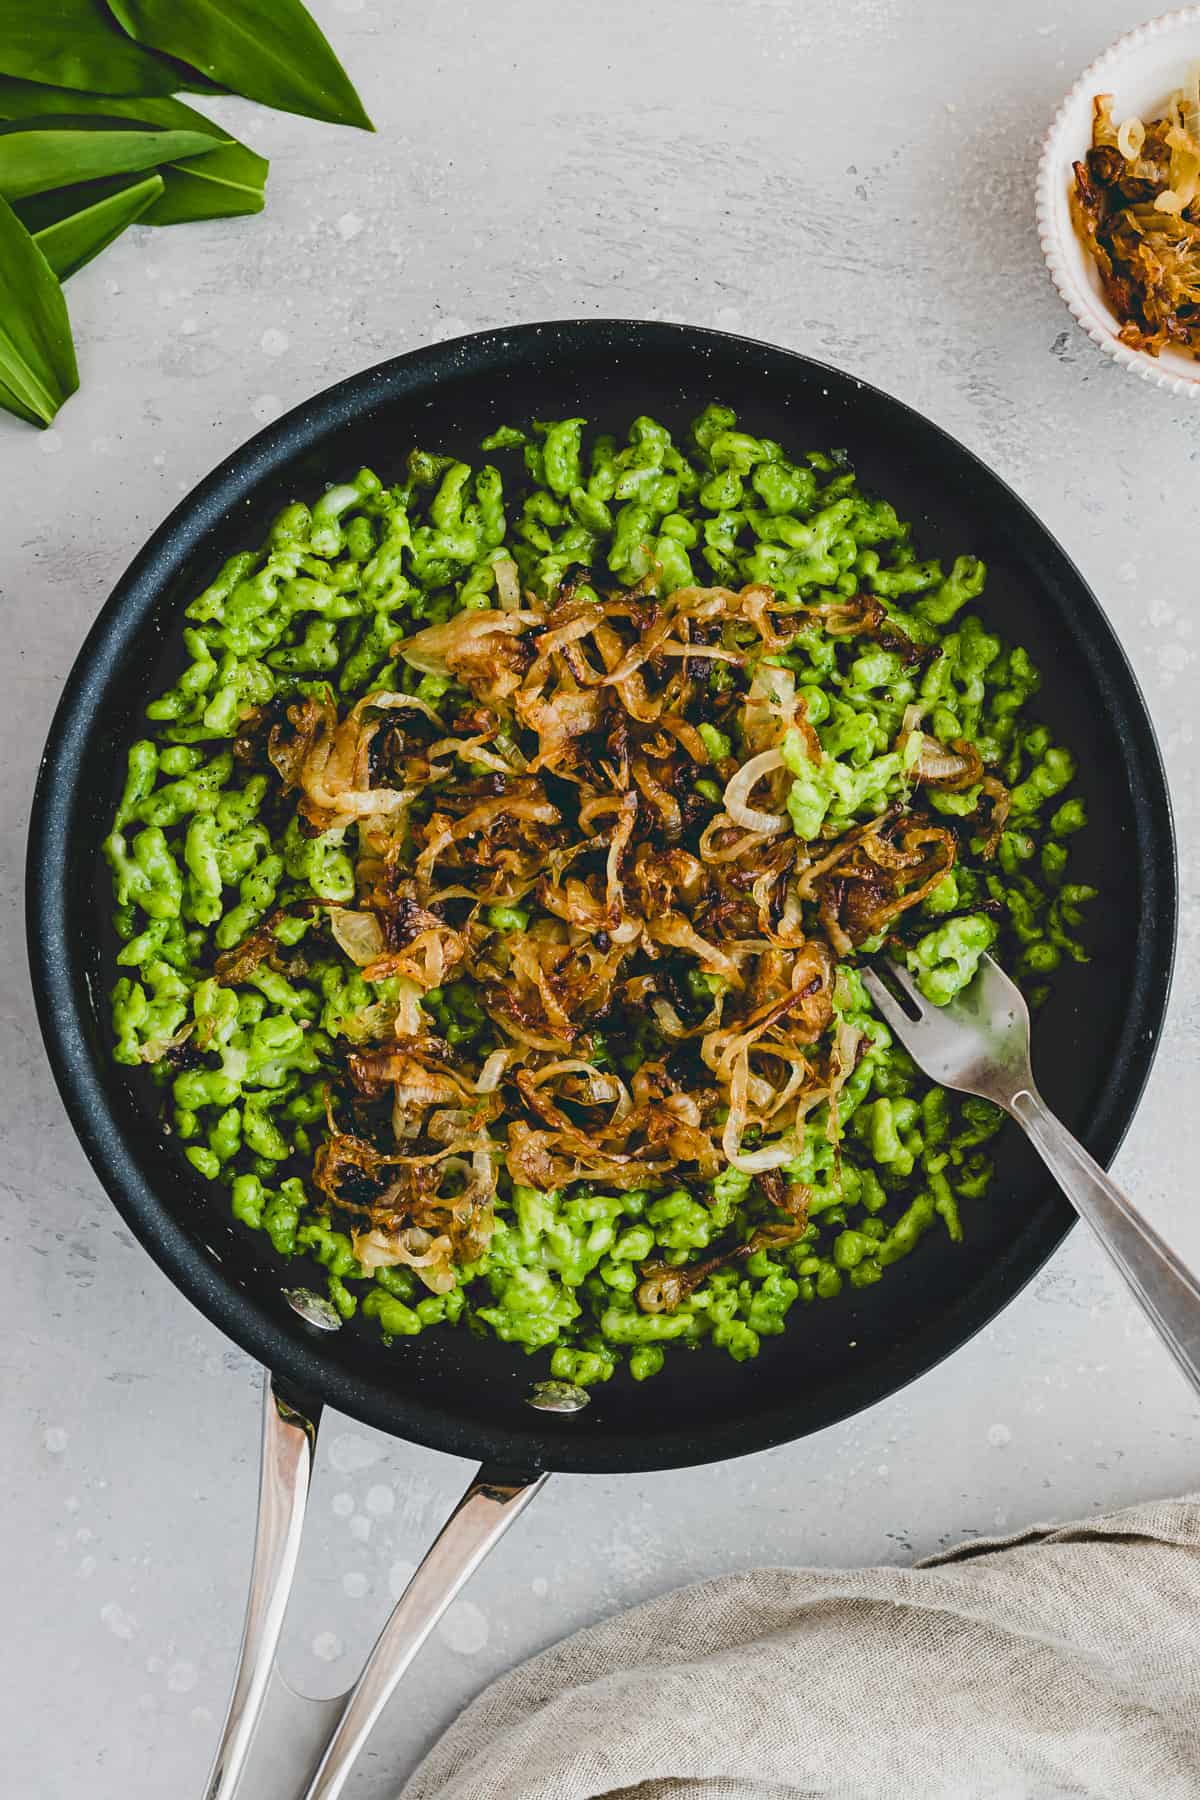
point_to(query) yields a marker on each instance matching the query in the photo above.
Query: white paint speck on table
(855, 182)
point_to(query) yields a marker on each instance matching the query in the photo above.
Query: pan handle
(288, 1449)
(336, 1731)
(493, 1501)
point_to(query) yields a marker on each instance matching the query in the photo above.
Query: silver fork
(979, 1044)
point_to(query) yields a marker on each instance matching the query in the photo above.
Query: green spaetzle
(273, 1001)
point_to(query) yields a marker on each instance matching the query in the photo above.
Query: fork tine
(996, 976)
(1000, 989)
(905, 982)
(886, 1003)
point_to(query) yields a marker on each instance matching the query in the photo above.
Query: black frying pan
(1094, 1041)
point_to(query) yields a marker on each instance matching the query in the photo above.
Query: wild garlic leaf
(78, 44)
(269, 50)
(71, 225)
(220, 183)
(34, 99)
(37, 357)
(55, 151)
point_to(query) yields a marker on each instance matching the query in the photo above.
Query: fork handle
(1167, 1291)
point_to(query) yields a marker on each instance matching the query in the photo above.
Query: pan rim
(289, 1352)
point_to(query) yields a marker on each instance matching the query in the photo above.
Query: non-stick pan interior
(1093, 1041)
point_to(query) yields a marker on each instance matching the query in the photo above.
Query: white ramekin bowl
(1140, 71)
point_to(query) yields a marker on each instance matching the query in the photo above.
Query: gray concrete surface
(854, 181)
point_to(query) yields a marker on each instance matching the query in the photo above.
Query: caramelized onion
(258, 946)
(952, 766)
(1000, 800)
(537, 837)
(431, 1258)
(359, 934)
(508, 584)
(739, 788)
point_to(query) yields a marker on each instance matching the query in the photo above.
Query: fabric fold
(1061, 1661)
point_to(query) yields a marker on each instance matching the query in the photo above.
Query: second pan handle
(494, 1499)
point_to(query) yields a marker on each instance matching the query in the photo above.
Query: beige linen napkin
(1065, 1661)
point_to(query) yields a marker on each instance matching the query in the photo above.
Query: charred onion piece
(349, 1171)
(261, 945)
